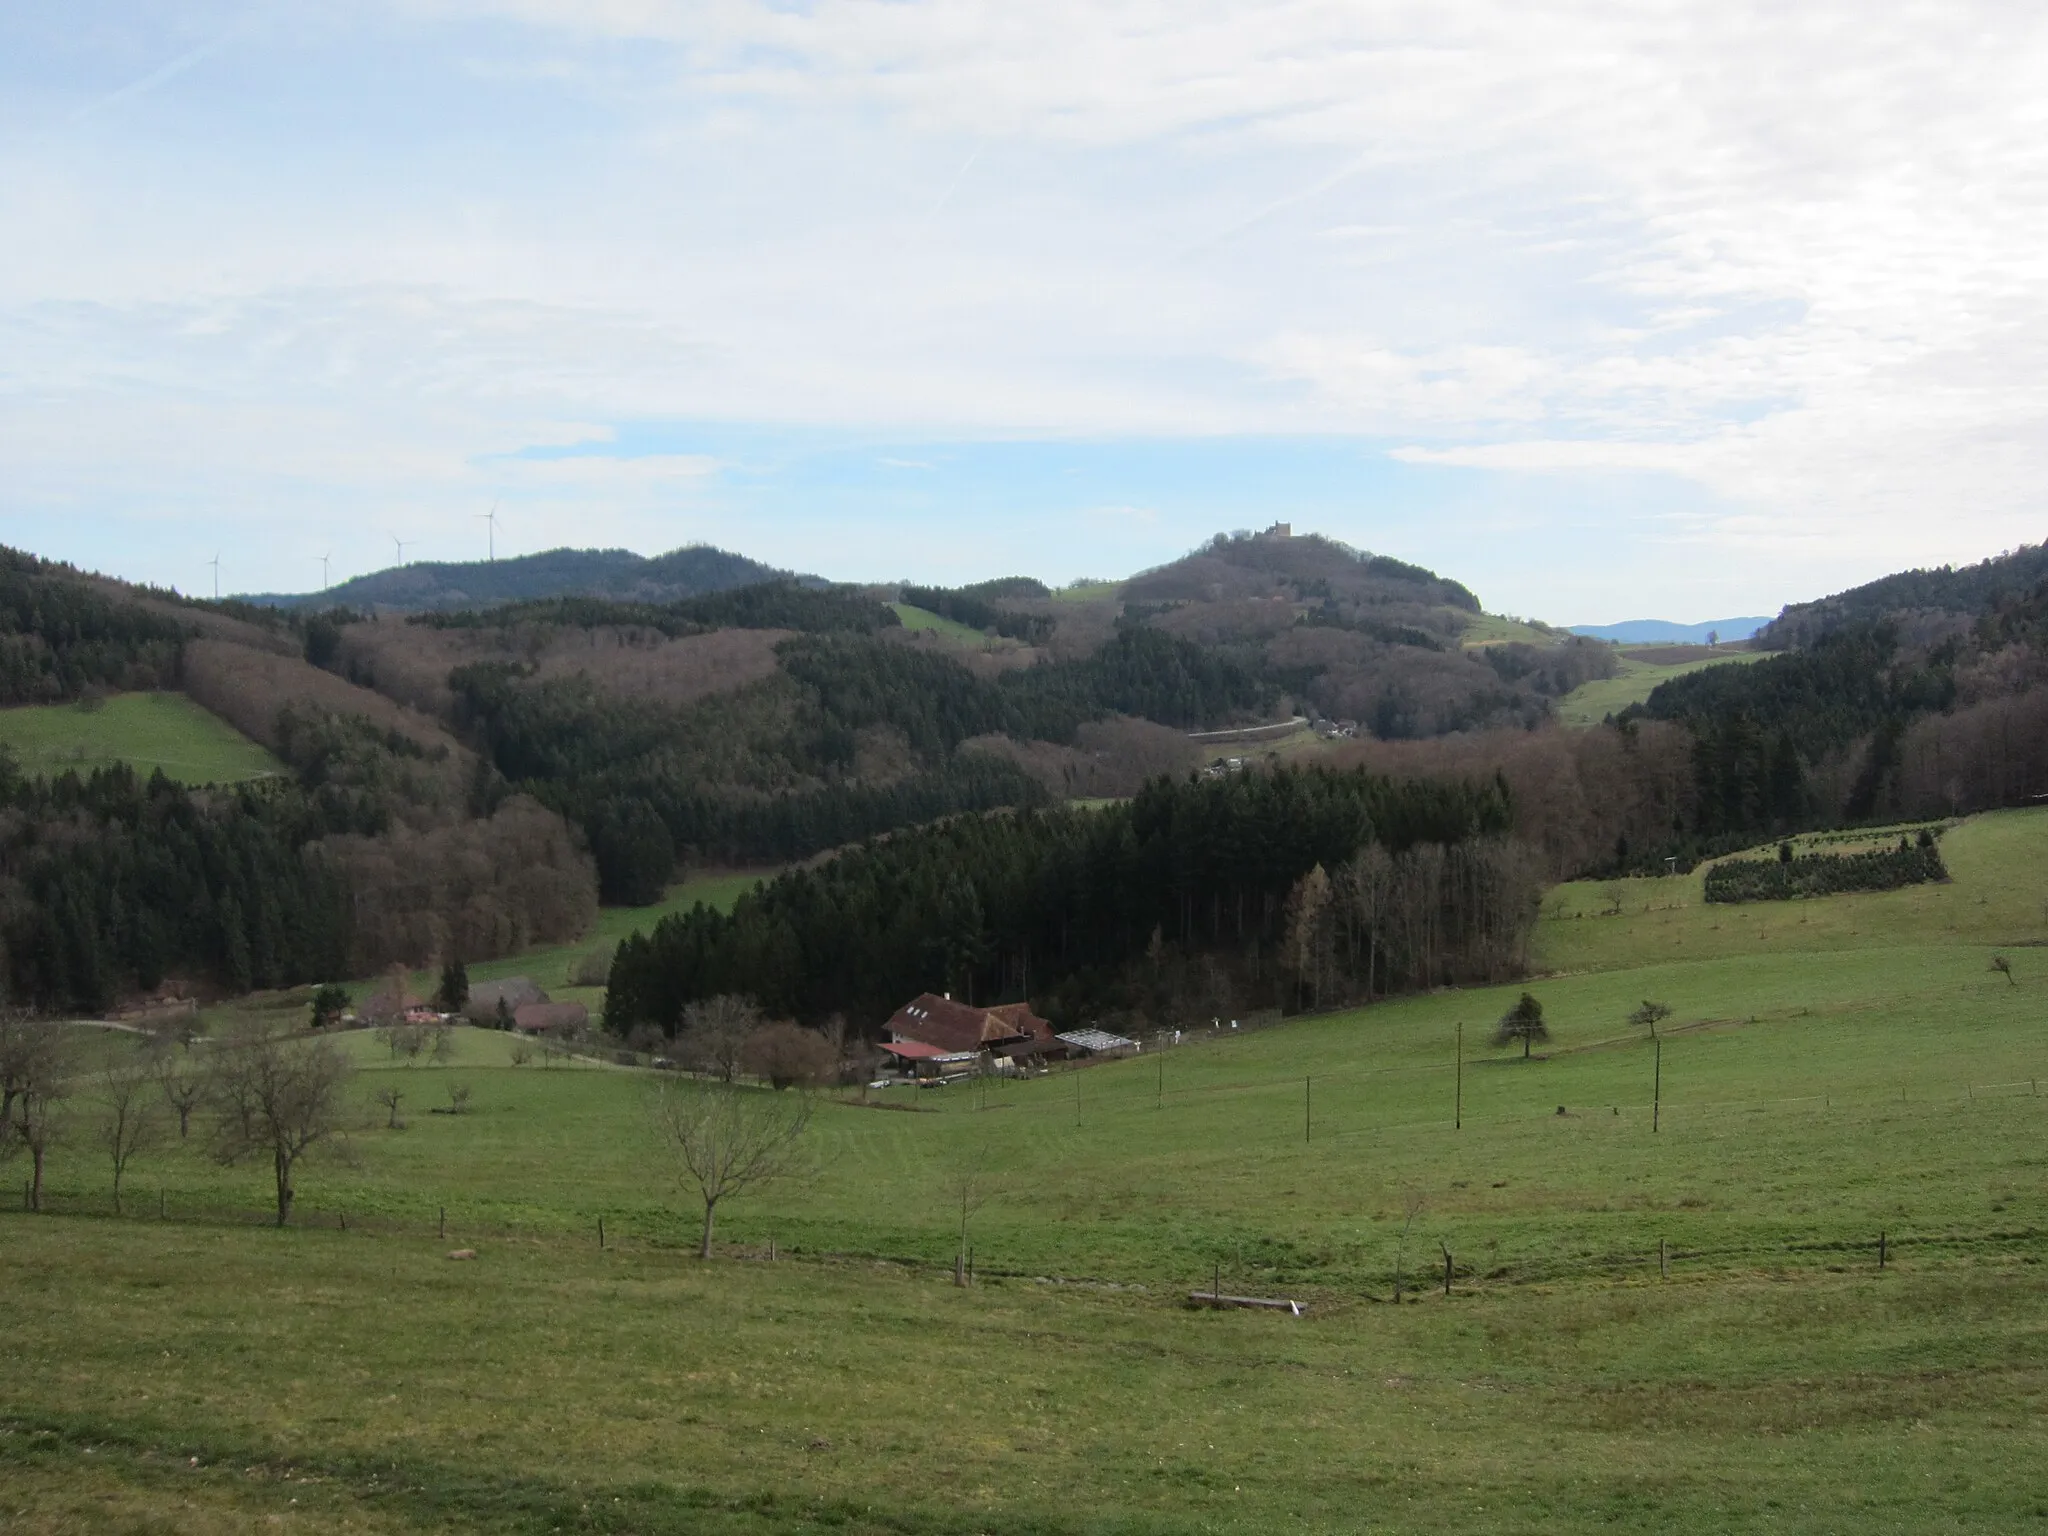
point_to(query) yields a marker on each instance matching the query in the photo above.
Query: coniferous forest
(1286, 889)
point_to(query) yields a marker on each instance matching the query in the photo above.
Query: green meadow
(1590, 703)
(1666, 1309)
(915, 619)
(147, 731)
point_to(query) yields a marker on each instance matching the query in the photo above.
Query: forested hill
(619, 574)
(1921, 695)
(1361, 637)
(1927, 596)
(388, 842)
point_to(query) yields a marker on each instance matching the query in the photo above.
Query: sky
(1609, 310)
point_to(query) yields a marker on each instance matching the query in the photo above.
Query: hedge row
(1824, 874)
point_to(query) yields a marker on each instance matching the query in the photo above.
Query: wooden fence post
(1307, 1117)
(1663, 1260)
(600, 1232)
(1447, 1269)
(1880, 1250)
(444, 1221)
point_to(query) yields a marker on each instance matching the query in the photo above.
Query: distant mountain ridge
(429, 585)
(1665, 632)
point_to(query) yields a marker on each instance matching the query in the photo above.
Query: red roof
(956, 1027)
(911, 1050)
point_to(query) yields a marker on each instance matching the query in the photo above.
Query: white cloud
(1788, 256)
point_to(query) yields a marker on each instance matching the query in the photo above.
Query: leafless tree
(444, 1044)
(1411, 1207)
(458, 1098)
(37, 1114)
(182, 1082)
(389, 1098)
(715, 1033)
(31, 1053)
(522, 1053)
(788, 1055)
(1306, 942)
(970, 1185)
(726, 1140)
(131, 1120)
(277, 1099)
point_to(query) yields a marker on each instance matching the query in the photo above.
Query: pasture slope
(1590, 703)
(1831, 1070)
(147, 731)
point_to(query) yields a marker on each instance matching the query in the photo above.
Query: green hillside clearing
(1498, 629)
(1590, 703)
(922, 619)
(145, 730)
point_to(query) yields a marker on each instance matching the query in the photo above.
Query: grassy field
(1822, 1081)
(1498, 628)
(1590, 703)
(921, 618)
(145, 730)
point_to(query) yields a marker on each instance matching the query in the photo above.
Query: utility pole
(1657, 1089)
(1308, 1124)
(1458, 1106)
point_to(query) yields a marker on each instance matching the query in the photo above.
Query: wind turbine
(491, 529)
(215, 563)
(324, 583)
(401, 543)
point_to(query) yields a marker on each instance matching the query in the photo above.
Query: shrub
(1825, 874)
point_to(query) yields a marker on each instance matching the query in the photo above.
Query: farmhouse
(932, 1033)
(550, 1018)
(514, 992)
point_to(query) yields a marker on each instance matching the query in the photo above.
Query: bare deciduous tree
(30, 1053)
(788, 1055)
(1411, 1207)
(389, 1098)
(458, 1098)
(131, 1121)
(727, 1140)
(715, 1033)
(182, 1083)
(36, 1116)
(278, 1099)
(970, 1184)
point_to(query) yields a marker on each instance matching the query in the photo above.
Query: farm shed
(1096, 1042)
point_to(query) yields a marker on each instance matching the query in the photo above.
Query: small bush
(593, 968)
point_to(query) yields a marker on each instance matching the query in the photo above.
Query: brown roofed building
(550, 1018)
(960, 1029)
